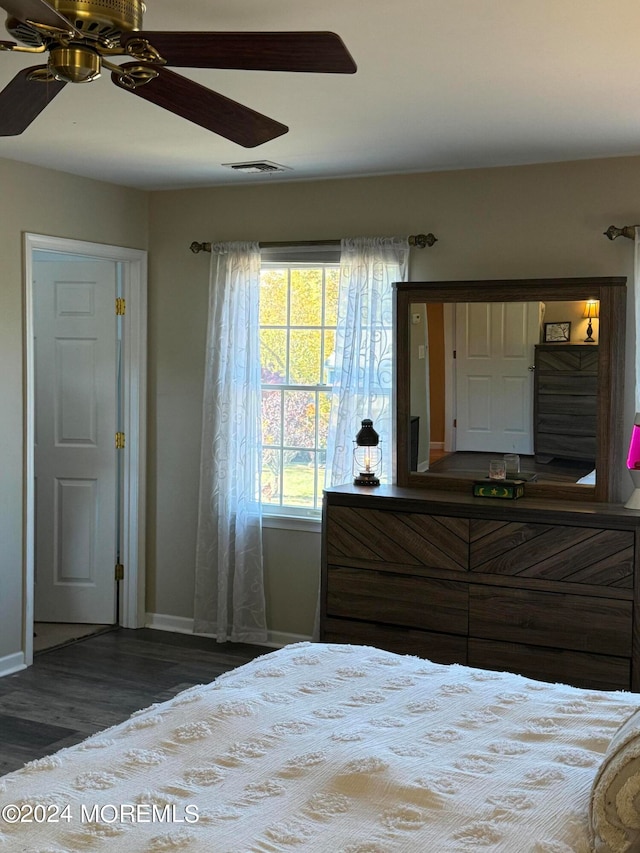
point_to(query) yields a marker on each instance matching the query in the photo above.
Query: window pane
(299, 419)
(273, 297)
(304, 357)
(320, 469)
(332, 280)
(329, 357)
(298, 479)
(273, 356)
(324, 408)
(306, 297)
(272, 418)
(271, 477)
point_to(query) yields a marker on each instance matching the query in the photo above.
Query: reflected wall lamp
(591, 310)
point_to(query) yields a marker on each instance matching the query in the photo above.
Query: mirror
(537, 325)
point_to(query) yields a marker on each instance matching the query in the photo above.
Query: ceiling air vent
(257, 167)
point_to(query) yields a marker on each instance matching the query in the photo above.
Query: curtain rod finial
(421, 241)
(200, 247)
(628, 231)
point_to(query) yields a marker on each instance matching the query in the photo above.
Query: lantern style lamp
(367, 456)
(590, 312)
(633, 464)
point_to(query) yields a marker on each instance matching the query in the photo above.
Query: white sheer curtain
(229, 588)
(364, 363)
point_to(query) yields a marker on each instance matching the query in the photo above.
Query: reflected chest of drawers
(546, 590)
(565, 401)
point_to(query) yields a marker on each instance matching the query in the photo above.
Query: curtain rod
(418, 240)
(626, 231)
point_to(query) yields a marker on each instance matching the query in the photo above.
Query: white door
(494, 378)
(75, 424)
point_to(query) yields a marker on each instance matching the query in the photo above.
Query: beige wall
(491, 223)
(42, 202)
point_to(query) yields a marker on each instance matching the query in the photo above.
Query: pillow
(614, 806)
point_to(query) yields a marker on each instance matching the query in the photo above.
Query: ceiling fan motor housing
(105, 19)
(102, 17)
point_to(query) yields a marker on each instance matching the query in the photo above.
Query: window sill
(292, 522)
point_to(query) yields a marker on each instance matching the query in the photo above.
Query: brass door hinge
(120, 439)
(121, 307)
(119, 572)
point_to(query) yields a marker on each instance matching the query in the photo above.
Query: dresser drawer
(407, 538)
(574, 359)
(602, 672)
(576, 405)
(565, 445)
(553, 552)
(433, 605)
(440, 648)
(578, 622)
(567, 424)
(568, 385)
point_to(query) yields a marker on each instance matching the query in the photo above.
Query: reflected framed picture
(557, 333)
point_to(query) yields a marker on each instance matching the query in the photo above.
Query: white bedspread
(334, 748)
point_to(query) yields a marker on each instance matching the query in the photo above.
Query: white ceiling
(441, 84)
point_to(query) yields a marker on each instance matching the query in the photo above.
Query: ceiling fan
(82, 36)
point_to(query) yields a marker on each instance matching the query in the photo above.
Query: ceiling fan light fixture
(74, 64)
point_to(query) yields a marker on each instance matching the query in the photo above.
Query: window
(298, 312)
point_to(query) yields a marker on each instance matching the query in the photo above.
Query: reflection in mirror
(509, 371)
(531, 399)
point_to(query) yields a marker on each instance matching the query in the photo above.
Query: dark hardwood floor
(74, 691)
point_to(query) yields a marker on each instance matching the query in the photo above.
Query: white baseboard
(280, 639)
(182, 625)
(12, 663)
(436, 445)
(177, 624)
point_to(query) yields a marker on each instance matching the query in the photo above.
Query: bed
(344, 749)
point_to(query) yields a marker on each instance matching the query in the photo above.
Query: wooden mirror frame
(610, 449)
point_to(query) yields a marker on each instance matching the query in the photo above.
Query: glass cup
(512, 464)
(497, 469)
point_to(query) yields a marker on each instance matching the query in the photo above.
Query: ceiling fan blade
(200, 105)
(23, 100)
(294, 51)
(35, 10)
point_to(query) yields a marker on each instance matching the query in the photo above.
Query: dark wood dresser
(565, 401)
(546, 589)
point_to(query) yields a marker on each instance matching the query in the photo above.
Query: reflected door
(494, 375)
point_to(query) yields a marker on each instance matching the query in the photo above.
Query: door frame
(131, 591)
